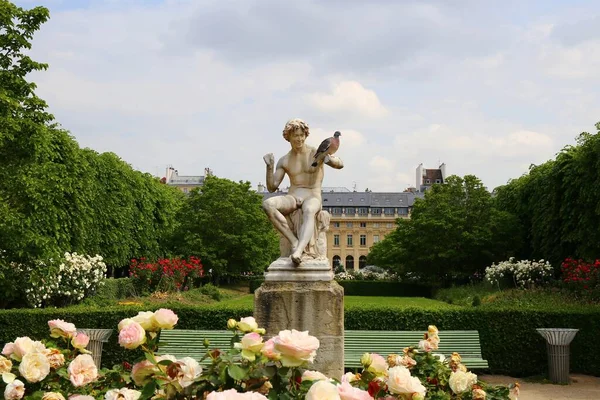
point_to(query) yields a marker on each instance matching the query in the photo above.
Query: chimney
(261, 188)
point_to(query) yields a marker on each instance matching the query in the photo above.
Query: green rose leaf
(236, 372)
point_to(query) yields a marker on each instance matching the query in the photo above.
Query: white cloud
(349, 97)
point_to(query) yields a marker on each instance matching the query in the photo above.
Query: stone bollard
(97, 338)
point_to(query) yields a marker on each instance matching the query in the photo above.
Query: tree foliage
(54, 196)
(558, 203)
(453, 230)
(224, 224)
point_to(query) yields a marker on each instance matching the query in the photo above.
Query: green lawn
(362, 301)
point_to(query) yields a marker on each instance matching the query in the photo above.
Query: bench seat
(190, 343)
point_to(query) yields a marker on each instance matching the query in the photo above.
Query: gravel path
(582, 387)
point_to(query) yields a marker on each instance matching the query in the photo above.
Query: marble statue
(297, 215)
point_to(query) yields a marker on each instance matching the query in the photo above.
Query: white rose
(14, 390)
(146, 320)
(190, 370)
(323, 390)
(124, 394)
(247, 324)
(400, 381)
(461, 381)
(313, 376)
(34, 367)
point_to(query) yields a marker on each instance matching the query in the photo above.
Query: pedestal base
(284, 270)
(316, 307)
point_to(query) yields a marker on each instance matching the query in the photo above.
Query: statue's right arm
(274, 178)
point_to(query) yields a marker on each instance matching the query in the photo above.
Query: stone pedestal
(284, 270)
(316, 307)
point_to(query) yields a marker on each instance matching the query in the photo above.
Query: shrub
(212, 291)
(582, 277)
(116, 289)
(387, 288)
(520, 274)
(174, 274)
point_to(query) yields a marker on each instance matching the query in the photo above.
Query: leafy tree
(224, 224)
(454, 230)
(557, 203)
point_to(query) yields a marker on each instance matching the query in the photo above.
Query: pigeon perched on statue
(327, 147)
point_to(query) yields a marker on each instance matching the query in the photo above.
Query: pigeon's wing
(324, 146)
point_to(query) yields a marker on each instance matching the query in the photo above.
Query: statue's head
(293, 125)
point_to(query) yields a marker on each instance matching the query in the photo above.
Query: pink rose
(142, 372)
(132, 336)
(8, 349)
(165, 318)
(349, 392)
(296, 347)
(250, 344)
(407, 362)
(80, 341)
(60, 328)
(378, 364)
(269, 350)
(323, 390)
(82, 370)
(14, 390)
(425, 345)
(400, 381)
(124, 323)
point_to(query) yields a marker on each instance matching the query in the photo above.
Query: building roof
(364, 199)
(433, 174)
(186, 180)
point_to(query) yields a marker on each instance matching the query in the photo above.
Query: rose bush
(249, 369)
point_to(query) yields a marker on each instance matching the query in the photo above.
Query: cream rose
(8, 349)
(247, 324)
(348, 392)
(250, 344)
(269, 350)
(296, 347)
(60, 328)
(53, 396)
(81, 397)
(188, 371)
(313, 376)
(132, 336)
(165, 318)
(378, 364)
(461, 381)
(82, 370)
(34, 367)
(80, 341)
(5, 365)
(232, 394)
(143, 370)
(123, 323)
(24, 345)
(122, 394)
(146, 320)
(407, 362)
(55, 358)
(399, 381)
(479, 394)
(14, 390)
(349, 377)
(425, 345)
(323, 390)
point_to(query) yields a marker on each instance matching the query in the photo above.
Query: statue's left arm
(334, 162)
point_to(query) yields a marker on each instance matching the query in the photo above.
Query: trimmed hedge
(508, 337)
(376, 288)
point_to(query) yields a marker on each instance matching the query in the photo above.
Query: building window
(349, 263)
(376, 210)
(363, 210)
(375, 224)
(349, 240)
(363, 224)
(375, 238)
(363, 240)
(427, 181)
(350, 200)
(336, 224)
(388, 211)
(336, 210)
(350, 210)
(403, 211)
(437, 181)
(389, 225)
(337, 260)
(362, 262)
(336, 240)
(348, 224)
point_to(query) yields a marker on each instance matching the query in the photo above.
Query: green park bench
(190, 343)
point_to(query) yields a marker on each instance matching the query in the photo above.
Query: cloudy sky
(487, 87)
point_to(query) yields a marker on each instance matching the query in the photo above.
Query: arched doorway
(349, 263)
(362, 262)
(337, 260)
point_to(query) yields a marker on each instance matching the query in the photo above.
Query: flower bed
(250, 368)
